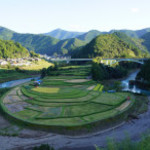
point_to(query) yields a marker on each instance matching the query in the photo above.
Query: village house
(3, 62)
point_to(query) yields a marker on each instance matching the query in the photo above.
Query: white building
(2, 63)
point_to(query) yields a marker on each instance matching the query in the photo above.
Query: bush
(43, 147)
(101, 72)
(3, 91)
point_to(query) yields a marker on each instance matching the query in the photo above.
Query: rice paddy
(67, 101)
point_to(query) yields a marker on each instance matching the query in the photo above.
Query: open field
(36, 66)
(59, 103)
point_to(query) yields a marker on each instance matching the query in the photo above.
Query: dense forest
(102, 72)
(144, 74)
(10, 49)
(146, 40)
(109, 46)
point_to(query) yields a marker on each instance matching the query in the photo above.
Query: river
(134, 88)
(125, 84)
(13, 83)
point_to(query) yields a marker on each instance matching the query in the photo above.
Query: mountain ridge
(63, 34)
(45, 44)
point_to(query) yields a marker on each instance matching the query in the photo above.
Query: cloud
(135, 10)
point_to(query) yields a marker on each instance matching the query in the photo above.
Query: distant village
(18, 61)
(27, 61)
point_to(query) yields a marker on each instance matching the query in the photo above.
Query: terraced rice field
(58, 102)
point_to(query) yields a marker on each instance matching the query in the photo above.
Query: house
(3, 62)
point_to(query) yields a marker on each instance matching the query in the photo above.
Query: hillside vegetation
(133, 33)
(146, 41)
(134, 42)
(10, 49)
(108, 46)
(42, 44)
(45, 44)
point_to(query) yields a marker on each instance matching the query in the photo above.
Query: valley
(46, 98)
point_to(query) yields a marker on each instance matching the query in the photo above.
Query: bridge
(107, 61)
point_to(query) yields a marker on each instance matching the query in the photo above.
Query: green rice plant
(97, 87)
(101, 88)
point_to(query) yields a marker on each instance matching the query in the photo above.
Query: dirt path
(134, 129)
(124, 105)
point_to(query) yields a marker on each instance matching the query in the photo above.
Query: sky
(42, 16)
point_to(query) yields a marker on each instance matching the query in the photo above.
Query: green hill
(10, 49)
(134, 42)
(108, 46)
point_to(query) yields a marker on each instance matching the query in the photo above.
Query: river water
(15, 82)
(134, 89)
(125, 84)
(127, 87)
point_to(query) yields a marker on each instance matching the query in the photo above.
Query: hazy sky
(39, 16)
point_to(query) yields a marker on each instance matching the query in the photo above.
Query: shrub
(43, 147)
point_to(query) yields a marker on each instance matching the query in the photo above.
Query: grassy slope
(37, 66)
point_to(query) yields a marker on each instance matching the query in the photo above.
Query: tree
(33, 54)
(144, 74)
(43, 72)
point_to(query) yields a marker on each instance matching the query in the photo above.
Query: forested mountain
(10, 49)
(108, 46)
(146, 40)
(45, 44)
(87, 37)
(66, 46)
(134, 42)
(132, 33)
(62, 34)
(41, 43)
(5, 33)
